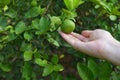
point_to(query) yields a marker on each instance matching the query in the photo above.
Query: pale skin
(97, 43)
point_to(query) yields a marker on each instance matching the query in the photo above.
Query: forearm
(113, 54)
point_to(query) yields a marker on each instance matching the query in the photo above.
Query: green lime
(68, 26)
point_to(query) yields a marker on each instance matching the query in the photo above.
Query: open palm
(95, 43)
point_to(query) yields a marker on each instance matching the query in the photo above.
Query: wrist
(114, 52)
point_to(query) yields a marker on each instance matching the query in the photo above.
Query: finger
(80, 37)
(69, 38)
(87, 33)
(75, 42)
(79, 45)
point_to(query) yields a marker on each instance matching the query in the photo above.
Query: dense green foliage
(32, 49)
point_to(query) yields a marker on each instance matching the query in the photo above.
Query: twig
(50, 2)
(13, 59)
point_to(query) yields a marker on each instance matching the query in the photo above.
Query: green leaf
(3, 22)
(28, 55)
(4, 2)
(5, 8)
(11, 37)
(69, 4)
(25, 46)
(69, 14)
(115, 76)
(5, 67)
(34, 3)
(76, 3)
(53, 41)
(113, 17)
(48, 70)
(93, 67)
(59, 77)
(1, 58)
(27, 71)
(20, 27)
(115, 11)
(27, 36)
(58, 67)
(42, 11)
(35, 11)
(102, 3)
(44, 25)
(36, 24)
(84, 72)
(41, 62)
(55, 59)
(11, 13)
(3, 38)
(104, 71)
(108, 6)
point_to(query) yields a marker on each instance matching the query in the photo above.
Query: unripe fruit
(34, 3)
(68, 26)
(56, 20)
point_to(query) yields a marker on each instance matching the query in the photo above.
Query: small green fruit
(56, 20)
(68, 26)
(34, 3)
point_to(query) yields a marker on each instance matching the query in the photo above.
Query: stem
(48, 6)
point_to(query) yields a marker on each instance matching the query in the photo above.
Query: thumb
(87, 33)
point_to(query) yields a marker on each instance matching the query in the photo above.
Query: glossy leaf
(47, 70)
(11, 13)
(20, 27)
(35, 11)
(41, 62)
(28, 55)
(34, 3)
(25, 46)
(3, 21)
(93, 67)
(55, 59)
(84, 72)
(54, 42)
(115, 76)
(69, 4)
(76, 3)
(4, 2)
(104, 71)
(11, 36)
(44, 25)
(58, 67)
(26, 71)
(27, 36)
(35, 24)
(6, 67)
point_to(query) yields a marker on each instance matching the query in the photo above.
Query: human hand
(98, 43)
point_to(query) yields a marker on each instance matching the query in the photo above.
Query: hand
(98, 43)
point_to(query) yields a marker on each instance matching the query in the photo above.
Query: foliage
(32, 49)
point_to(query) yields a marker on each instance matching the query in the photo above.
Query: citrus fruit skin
(68, 26)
